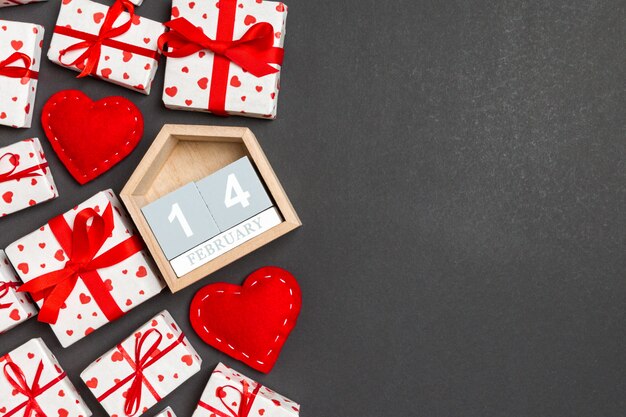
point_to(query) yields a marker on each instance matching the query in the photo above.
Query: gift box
(32, 383)
(145, 367)
(7, 3)
(230, 394)
(168, 412)
(20, 51)
(15, 307)
(25, 179)
(111, 43)
(85, 268)
(225, 59)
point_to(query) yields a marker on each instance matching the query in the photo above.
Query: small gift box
(230, 394)
(15, 307)
(7, 3)
(225, 59)
(145, 367)
(168, 412)
(32, 383)
(85, 268)
(20, 51)
(25, 179)
(111, 43)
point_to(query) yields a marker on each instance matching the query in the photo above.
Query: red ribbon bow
(245, 405)
(93, 45)
(253, 52)
(26, 173)
(81, 244)
(4, 291)
(17, 379)
(7, 70)
(142, 360)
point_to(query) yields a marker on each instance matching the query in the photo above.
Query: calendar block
(180, 220)
(234, 194)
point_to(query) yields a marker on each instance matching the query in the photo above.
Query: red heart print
(187, 359)
(249, 19)
(171, 91)
(234, 81)
(15, 315)
(23, 267)
(92, 383)
(117, 356)
(97, 17)
(203, 83)
(141, 272)
(91, 137)
(59, 255)
(8, 197)
(220, 314)
(84, 298)
(17, 45)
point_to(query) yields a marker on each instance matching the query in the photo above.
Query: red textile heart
(91, 137)
(249, 322)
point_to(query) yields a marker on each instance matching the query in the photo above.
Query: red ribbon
(4, 291)
(81, 244)
(245, 405)
(142, 360)
(19, 384)
(93, 43)
(7, 70)
(254, 52)
(25, 173)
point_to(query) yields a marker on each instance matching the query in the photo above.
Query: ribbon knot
(93, 46)
(12, 71)
(245, 405)
(253, 52)
(81, 244)
(4, 291)
(16, 378)
(142, 360)
(14, 160)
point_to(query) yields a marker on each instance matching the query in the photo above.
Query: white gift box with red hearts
(231, 394)
(130, 62)
(168, 412)
(168, 358)
(17, 98)
(7, 3)
(15, 307)
(188, 80)
(59, 397)
(127, 283)
(25, 179)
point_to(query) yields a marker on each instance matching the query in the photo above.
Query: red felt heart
(91, 137)
(249, 322)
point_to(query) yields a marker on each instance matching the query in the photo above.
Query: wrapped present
(32, 383)
(7, 3)
(25, 179)
(168, 412)
(20, 51)
(145, 367)
(111, 43)
(15, 307)
(225, 59)
(230, 394)
(85, 268)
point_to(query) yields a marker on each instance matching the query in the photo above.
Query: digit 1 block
(234, 194)
(180, 220)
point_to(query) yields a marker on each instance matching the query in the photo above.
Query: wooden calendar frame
(181, 154)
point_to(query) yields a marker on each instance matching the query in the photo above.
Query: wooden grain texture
(181, 154)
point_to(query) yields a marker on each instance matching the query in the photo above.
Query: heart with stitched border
(90, 137)
(250, 322)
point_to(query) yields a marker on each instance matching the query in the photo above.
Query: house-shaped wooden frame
(181, 154)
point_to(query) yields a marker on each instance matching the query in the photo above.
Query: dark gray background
(459, 169)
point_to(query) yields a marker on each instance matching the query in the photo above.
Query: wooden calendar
(203, 197)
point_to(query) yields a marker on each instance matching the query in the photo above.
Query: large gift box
(111, 43)
(144, 368)
(25, 179)
(7, 3)
(224, 59)
(15, 307)
(20, 51)
(231, 394)
(32, 383)
(85, 268)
